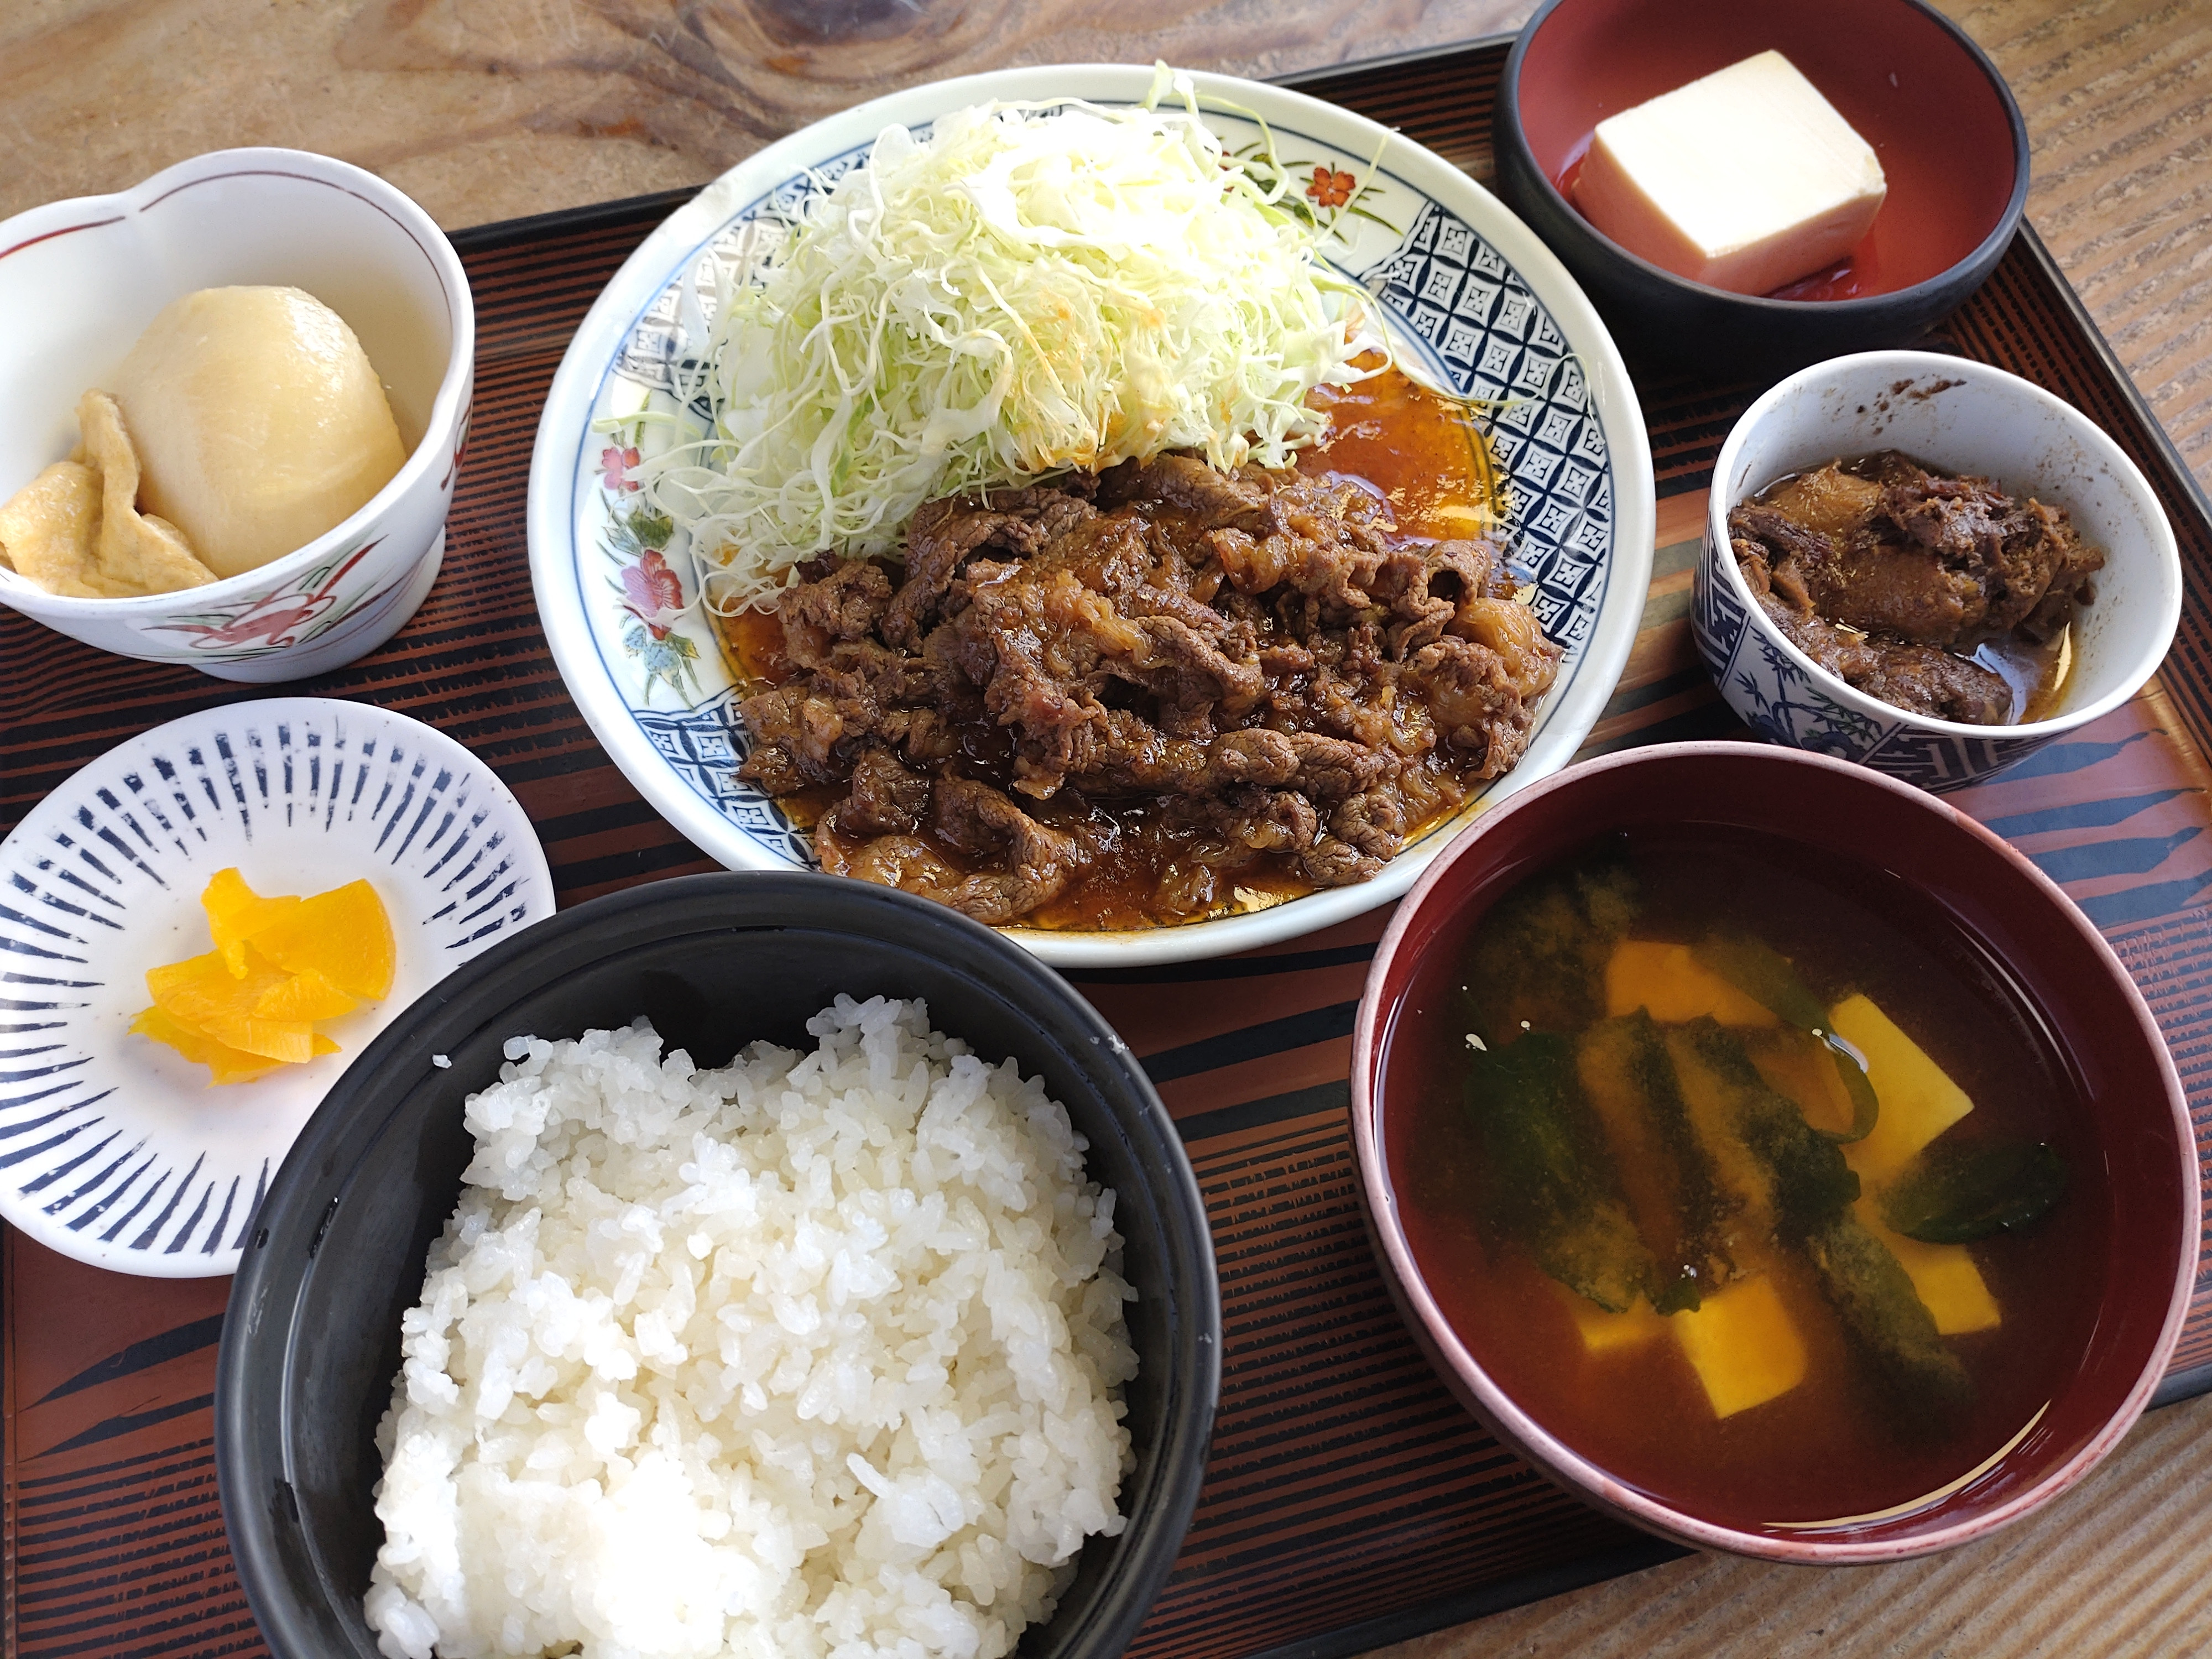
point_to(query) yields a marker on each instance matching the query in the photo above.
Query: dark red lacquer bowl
(2139, 1134)
(1939, 115)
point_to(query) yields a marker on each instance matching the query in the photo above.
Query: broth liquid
(1834, 1446)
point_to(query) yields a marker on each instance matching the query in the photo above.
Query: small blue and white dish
(1959, 417)
(114, 1149)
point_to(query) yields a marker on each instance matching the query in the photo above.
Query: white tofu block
(1745, 181)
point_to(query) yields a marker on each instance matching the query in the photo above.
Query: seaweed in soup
(1745, 1175)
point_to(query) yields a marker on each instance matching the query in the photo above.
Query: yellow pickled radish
(199, 992)
(201, 988)
(308, 996)
(225, 1064)
(343, 934)
(235, 913)
(280, 964)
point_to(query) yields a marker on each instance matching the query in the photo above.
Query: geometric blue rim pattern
(705, 745)
(1496, 342)
(102, 1157)
(1450, 295)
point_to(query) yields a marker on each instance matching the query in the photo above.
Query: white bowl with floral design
(1470, 296)
(95, 270)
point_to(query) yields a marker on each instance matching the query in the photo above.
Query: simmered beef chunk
(811, 730)
(1167, 668)
(1904, 675)
(1186, 482)
(2073, 562)
(887, 799)
(1891, 571)
(843, 606)
(985, 826)
(795, 739)
(1034, 863)
(943, 532)
(1865, 583)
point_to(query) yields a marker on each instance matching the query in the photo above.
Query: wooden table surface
(489, 109)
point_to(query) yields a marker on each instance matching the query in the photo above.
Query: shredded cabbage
(1029, 289)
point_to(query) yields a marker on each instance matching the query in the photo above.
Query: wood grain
(486, 109)
(2118, 1569)
(492, 109)
(2116, 94)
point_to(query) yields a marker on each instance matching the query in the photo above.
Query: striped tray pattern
(1349, 1501)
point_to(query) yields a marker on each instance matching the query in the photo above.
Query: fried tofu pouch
(75, 529)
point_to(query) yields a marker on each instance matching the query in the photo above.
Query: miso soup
(1750, 1177)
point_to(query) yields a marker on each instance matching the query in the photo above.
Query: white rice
(816, 1355)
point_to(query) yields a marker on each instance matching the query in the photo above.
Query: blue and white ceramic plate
(1474, 300)
(113, 1148)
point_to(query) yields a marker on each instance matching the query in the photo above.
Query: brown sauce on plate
(1417, 450)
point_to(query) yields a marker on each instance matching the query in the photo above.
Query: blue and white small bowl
(1960, 417)
(114, 1149)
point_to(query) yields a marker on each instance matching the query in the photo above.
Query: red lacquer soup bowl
(2053, 1397)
